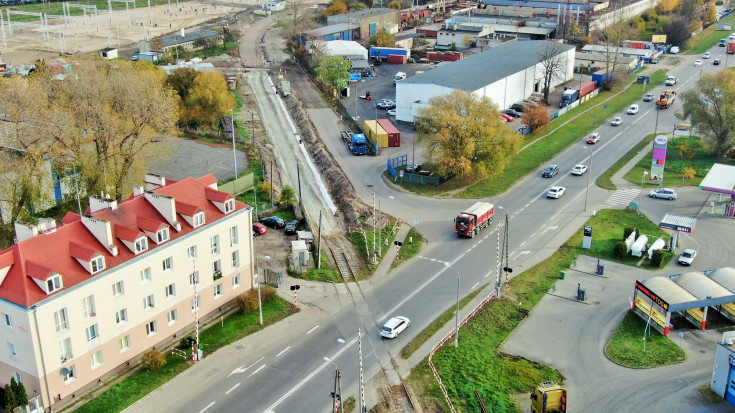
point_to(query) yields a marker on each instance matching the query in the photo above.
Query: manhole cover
(239, 347)
(369, 186)
(703, 351)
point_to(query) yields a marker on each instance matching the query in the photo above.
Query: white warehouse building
(506, 74)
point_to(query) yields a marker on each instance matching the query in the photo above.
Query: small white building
(506, 74)
(599, 49)
(273, 6)
(344, 49)
(109, 53)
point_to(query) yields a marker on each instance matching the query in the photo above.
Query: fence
(34, 406)
(240, 185)
(393, 164)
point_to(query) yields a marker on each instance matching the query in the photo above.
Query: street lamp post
(640, 196)
(337, 394)
(655, 128)
(260, 305)
(234, 151)
(589, 172)
(456, 318)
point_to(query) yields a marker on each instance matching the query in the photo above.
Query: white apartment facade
(83, 300)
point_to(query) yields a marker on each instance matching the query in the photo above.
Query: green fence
(240, 185)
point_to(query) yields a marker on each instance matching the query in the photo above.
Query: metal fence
(240, 185)
(393, 164)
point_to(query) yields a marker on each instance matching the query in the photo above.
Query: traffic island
(634, 346)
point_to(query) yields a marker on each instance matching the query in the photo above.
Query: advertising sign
(656, 299)
(658, 38)
(724, 26)
(660, 143)
(683, 130)
(645, 308)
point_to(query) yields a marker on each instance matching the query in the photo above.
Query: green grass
(142, 382)
(626, 346)
(708, 37)
(701, 162)
(409, 249)
(437, 324)
(323, 274)
(605, 180)
(358, 241)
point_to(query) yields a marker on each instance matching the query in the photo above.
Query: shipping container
(394, 135)
(397, 59)
(376, 133)
(445, 56)
(635, 44)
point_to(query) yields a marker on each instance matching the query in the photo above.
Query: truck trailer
(666, 98)
(473, 219)
(576, 92)
(731, 47)
(383, 52)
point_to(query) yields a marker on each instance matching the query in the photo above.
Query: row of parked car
(261, 227)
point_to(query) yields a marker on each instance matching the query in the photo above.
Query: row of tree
(203, 97)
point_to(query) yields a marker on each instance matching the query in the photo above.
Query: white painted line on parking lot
(233, 388)
(259, 369)
(208, 406)
(283, 351)
(313, 328)
(476, 284)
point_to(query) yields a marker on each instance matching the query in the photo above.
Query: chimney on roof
(138, 190)
(183, 33)
(100, 203)
(166, 206)
(153, 181)
(24, 231)
(102, 230)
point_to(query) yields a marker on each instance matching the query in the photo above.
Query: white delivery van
(398, 77)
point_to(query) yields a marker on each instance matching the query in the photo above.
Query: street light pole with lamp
(257, 275)
(234, 151)
(589, 173)
(456, 318)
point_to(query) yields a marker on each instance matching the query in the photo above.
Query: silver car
(663, 193)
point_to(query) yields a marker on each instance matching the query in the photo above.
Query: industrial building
(519, 75)
(369, 21)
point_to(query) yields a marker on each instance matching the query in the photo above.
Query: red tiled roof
(207, 179)
(150, 225)
(82, 252)
(38, 271)
(217, 196)
(53, 248)
(127, 234)
(186, 209)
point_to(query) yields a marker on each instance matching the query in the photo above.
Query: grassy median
(626, 346)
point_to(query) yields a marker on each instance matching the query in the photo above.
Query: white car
(394, 326)
(391, 112)
(616, 121)
(687, 257)
(633, 109)
(579, 169)
(556, 192)
(731, 37)
(674, 50)
(698, 62)
(707, 55)
(663, 193)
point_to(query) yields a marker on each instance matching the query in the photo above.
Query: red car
(259, 228)
(507, 118)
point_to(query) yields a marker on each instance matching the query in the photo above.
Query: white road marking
(622, 197)
(523, 253)
(480, 241)
(511, 254)
(243, 369)
(259, 369)
(532, 235)
(314, 328)
(233, 388)
(283, 351)
(549, 228)
(468, 250)
(522, 243)
(208, 406)
(476, 284)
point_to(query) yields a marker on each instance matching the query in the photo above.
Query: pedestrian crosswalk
(623, 197)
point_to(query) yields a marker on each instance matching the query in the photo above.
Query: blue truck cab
(358, 145)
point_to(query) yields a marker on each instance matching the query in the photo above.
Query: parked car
(593, 138)
(698, 62)
(616, 121)
(512, 112)
(507, 118)
(556, 192)
(550, 171)
(391, 112)
(413, 168)
(687, 257)
(273, 222)
(504, 119)
(394, 326)
(259, 228)
(518, 107)
(291, 227)
(716, 62)
(633, 109)
(663, 193)
(707, 55)
(654, 60)
(648, 97)
(579, 169)
(674, 50)
(387, 105)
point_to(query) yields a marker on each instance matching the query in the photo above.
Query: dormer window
(98, 264)
(53, 283)
(162, 235)
(229, 206)
(141, 244)
(198, 219)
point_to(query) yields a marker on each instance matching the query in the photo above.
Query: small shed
(109, 53)
(300, 252)
(307, 237)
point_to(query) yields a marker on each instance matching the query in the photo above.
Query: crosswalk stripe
(622, 197)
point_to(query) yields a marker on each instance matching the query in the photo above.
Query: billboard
(660, 144)
(658, 38)
(724, 26)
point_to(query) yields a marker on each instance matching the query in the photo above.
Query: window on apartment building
(198, 219)
(96, 359)
(18, 377)
(8, 321)
(191, 252)
(229, 206)
(53, 283)
(194, 278)
(196, 302)
(150, 328)
(141, 244)
(124, 343)
(173, 316)
(170, 291)
(233, 236)
(121, 316)
(236, 281)
(217, 266)
(61, 320)
(98, 264)
(215, 244)
(162, 235)
(71, 374)
(168, 264)
(235, 259)
(218, 290)
(12, 350)
(145, 275)
(65, 350)
(148, 302)
(118, 288)
(88, 305)
(92, 332)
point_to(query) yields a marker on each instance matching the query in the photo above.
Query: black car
(291, 227)
(273, 222)
(413, 168)
(512, 112)
(550, 171)
(519, 107)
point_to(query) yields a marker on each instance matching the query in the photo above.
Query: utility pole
(319, 243)
(374, 259)
(298, 178)
(271, 184)
(234, 151)
(380, 230)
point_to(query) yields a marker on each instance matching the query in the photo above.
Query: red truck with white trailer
(473, 219)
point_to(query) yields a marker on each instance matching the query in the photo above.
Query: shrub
(689, 173)
(619, 250)
(153, 359)
(267, 294)
(264, 187)
(627, 231)
(248, 302)
(657, 258)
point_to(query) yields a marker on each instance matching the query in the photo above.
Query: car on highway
(671, 80)
(663, 193)
(616, 121)
(259, 228)
(291, 227)
(731, 37)
(550, 171)
(556, 192)
(394, 326)
(391, 112)
(633, 109)
(273, 222)
(579, 169)
(648, 97)
(707, 55)
(687, 257)
(513, 113)
(388, 104)
(698, 62)
(593, 138)
(716, 62)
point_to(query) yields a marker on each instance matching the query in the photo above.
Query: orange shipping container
(394, 136)
(376, 133)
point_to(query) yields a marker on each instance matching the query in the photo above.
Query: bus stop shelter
(721, 180)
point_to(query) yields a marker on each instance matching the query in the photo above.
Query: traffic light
(508, 269)
(399, 243)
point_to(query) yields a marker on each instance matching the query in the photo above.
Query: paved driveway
(191, 158)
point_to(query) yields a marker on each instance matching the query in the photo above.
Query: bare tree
(611, 38)
(553, 61)
(300, 18)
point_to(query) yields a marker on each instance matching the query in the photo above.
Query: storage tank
(657, 245)
(638, 246)
(394, 136)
